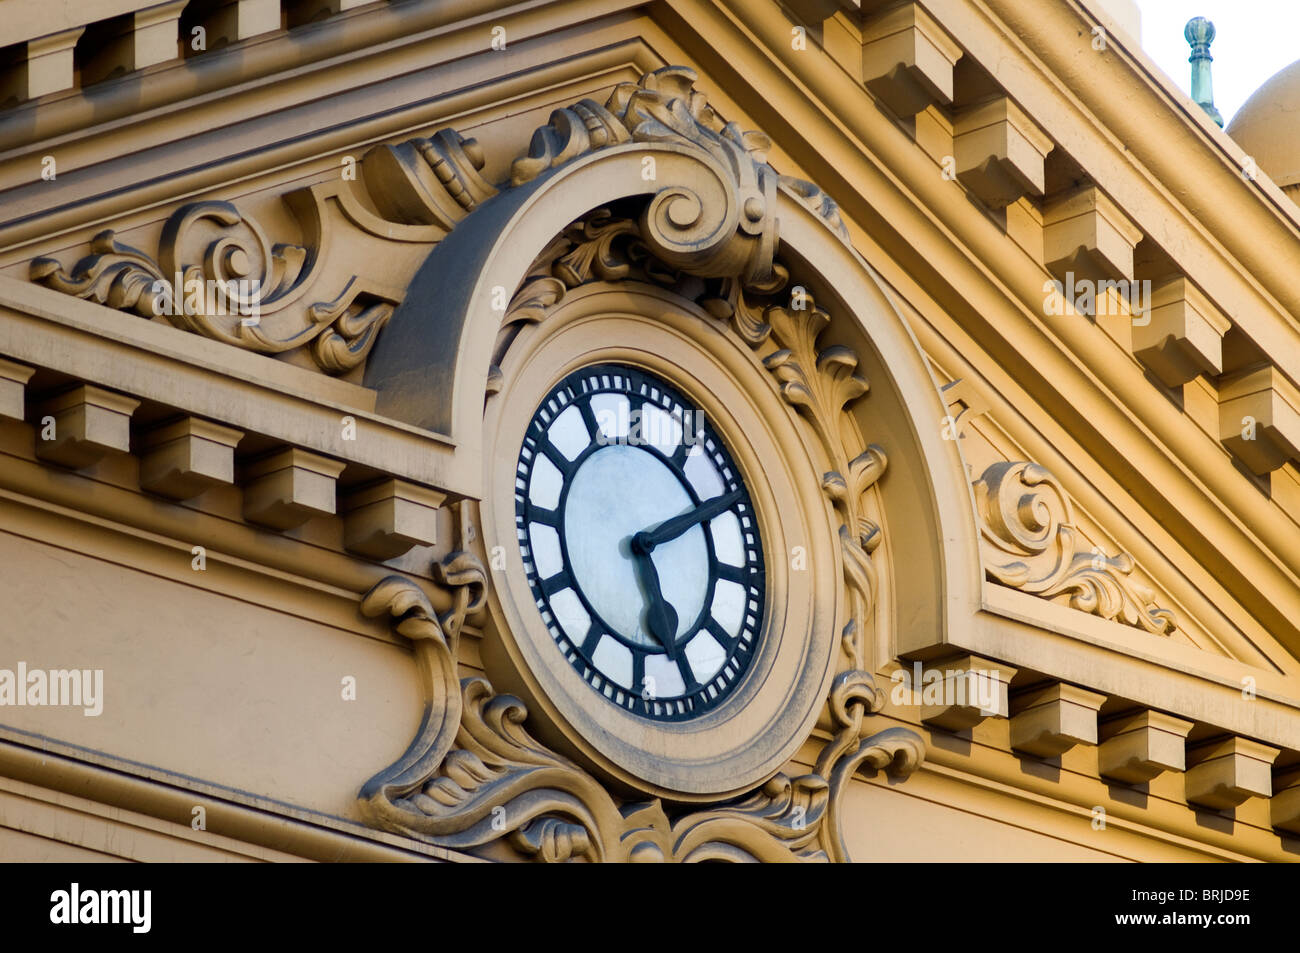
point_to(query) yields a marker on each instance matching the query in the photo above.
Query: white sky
(1254, 39)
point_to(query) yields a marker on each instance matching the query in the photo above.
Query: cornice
(264, 60)
(216, 381)
(1145, 141)
(170, 797)
(163, 536)
(1011, 790)
(1005, 791)
(97, 184)
(1031, 634)
(939, 247)
(34, 19)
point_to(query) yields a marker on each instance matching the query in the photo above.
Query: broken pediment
(324, 297)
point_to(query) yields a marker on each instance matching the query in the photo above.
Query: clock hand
(644, 542)
(661, 617)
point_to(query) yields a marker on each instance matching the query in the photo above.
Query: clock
(664, 588)
(640, 543)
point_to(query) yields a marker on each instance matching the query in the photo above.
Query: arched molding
(431, 366)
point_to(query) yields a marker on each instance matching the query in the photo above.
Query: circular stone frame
(749, 737)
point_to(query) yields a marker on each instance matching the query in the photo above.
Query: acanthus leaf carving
(1029, 543)
(821, 382)
(350, 328)
(601, 246)
(790, 811)
(114, 274)
(497, 780)
(217, 275)
(474, 775)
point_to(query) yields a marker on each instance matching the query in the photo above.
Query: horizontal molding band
(235, 814)
(249, 392)
(37, 212)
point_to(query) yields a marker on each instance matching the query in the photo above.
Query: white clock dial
(640, 542)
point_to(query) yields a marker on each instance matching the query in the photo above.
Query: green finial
(1200, 34)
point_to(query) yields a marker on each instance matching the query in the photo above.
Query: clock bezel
(752, 576)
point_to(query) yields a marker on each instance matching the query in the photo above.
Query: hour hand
(661, 617)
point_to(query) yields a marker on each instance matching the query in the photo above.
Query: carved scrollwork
(720, 226)
(474, 775)
(729, 232)
(600, 246)
(217, 275)
(1030, 544)
(821, 383)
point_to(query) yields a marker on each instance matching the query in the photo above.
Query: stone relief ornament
(820, 383)
(602, 246)
(733, 237)
(608, 246)
(473, 775)
(1029, 543)
(433, 182)
(404, 199)
(217, 275)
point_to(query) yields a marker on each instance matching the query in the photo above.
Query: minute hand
(671, 529)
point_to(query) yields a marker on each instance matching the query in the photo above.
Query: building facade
(622, 431)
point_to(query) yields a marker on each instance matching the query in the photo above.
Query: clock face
(640, 542)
